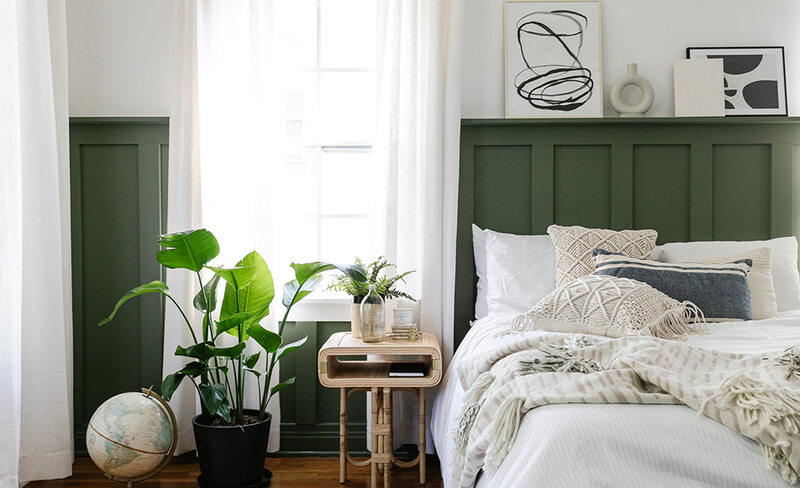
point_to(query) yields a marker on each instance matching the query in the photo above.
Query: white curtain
(223, 170)
(36, 439)
(419, 113)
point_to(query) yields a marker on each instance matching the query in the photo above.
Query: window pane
(299, 91)
(347, 107)
(344, 239)
(347, 182)
(347, 30)
(296, 33)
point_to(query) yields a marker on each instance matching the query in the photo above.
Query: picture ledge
(738, 120)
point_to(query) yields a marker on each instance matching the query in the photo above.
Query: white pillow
(785, 277)
(479, 252)
(520, 271)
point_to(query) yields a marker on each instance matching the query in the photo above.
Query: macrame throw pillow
(613, 307)
(574, 248)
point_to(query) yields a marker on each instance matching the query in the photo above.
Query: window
(327, 51)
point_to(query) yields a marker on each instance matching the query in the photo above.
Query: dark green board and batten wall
(690, 179)
(119, 183)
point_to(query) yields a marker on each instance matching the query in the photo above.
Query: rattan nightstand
(373, 376)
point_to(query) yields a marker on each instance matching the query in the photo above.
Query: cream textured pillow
(609, 306)
(574, 247)
(759, 279)
(785, 276)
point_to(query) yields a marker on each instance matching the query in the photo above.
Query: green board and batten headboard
(690, 179)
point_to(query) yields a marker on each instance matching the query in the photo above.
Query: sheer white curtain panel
(419, 113)
(224, 172)
(36, 440)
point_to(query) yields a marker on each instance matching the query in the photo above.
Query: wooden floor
(287, 472)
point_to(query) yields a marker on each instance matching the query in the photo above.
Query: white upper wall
(120, 51)
(650, 32)
(120, 57)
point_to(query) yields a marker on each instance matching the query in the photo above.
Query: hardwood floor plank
(288, 472)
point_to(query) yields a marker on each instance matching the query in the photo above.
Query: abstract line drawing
(754, 78)
(553, 58)
(561, 83)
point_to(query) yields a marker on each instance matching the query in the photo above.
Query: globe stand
(130, 481)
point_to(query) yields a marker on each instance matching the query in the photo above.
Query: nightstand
(373, 376)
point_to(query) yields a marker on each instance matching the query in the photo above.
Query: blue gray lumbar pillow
(719, 290)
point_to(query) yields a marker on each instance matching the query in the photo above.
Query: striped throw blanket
(757, 396)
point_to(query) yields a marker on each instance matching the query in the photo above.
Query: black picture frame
(744, 95)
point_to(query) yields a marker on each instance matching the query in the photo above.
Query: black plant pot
(232, 457)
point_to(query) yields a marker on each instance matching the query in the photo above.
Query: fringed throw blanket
(756, 396)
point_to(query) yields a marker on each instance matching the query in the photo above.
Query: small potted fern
(376, 275)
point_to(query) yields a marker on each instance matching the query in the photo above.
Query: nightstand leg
(422, 436)
(342, 435)
(387, 439)
(375, 449)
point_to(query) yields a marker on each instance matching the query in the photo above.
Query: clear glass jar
(373, 323)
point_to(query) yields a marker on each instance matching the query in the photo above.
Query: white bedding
(620, 445)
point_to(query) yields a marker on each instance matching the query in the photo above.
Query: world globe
(131, 436)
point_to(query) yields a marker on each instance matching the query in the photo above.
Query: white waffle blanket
(756, 395)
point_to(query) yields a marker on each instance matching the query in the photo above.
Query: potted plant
(231, 439)
(376, 275)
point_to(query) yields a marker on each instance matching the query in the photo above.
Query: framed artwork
(553, 58)
(754, 78)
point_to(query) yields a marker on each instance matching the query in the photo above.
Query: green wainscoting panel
(309, 411)
(118, 195)
(513, 209)
(582, 184)
(741, 180)
(690, 179)
(660, 173)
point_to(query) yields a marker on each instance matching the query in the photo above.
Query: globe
(131, 436)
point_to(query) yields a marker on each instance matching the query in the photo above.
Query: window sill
(322, 309)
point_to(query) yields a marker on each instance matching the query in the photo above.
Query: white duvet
(583, 445)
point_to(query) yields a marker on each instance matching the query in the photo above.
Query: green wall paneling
(309, 411)
(690, 179)
(118, 190)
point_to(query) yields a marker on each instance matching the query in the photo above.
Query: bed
(522, 176)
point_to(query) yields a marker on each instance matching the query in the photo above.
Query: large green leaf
(191, 249)
(295, 291)
(251, 360)
(213, 397)
(194, 369)
(224, 410)
(206, 350)
(170, 384)
(253, 299)
(232, 321)
(282, 385)
(152, 287)
(240, 276)
(303, 271)
(287, 348)
(306, 279)
(209, 292)
(267, 339)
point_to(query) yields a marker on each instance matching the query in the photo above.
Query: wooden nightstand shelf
(373, 376)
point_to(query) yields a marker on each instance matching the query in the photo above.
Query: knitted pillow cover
(610, 306)
(574, 247)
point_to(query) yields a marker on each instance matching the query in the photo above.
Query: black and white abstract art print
(553, 58)
(755, 82)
